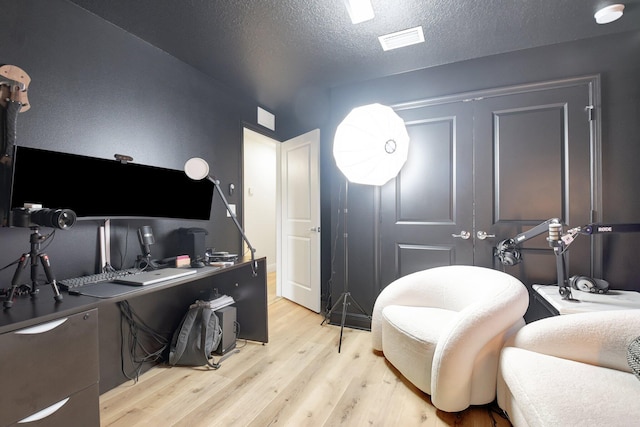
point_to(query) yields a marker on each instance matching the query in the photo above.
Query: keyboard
(76, 282)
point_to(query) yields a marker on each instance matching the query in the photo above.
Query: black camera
(54, 218)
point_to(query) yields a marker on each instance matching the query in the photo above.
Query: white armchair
(443, 329)
(572, 370)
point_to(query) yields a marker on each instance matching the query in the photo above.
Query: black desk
(160, 306)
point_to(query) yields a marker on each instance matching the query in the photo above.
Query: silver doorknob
(483, 235)
(463, 235)
(315, 229)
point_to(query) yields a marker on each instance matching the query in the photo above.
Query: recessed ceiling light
(359, 10)
(609, 13)
(402, 38)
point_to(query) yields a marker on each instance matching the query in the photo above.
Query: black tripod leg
(46, 265)
(344, 318)
(8, 302)
(345, 304)
(359, 307)
(328, 315)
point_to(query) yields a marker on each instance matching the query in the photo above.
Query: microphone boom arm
(558, 242)
(535, 231)
(595, 228)
(508, 253)
(507, 250)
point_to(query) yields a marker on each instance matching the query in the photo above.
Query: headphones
(508, 253)
(588, 284)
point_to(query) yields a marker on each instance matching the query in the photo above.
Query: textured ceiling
(274, 50)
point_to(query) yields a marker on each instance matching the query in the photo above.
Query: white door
(298, 276)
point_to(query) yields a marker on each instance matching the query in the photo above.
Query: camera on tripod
(32, 216)
(35, 215)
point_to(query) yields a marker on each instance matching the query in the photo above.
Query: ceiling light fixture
(359, 10)
(609, 13)
(402, 38)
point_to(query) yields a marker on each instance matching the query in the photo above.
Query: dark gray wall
(615, 58)
(97, 90)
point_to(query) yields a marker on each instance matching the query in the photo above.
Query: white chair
(443, 329)
(572, 370)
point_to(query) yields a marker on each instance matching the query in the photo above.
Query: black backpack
(196, 338)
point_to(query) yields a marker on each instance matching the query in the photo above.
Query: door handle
(483, 235)
(315, 229)
(464, 235)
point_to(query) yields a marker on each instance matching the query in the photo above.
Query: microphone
(145, 236)
(555, 234)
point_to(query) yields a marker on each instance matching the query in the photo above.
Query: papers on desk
(216, 304)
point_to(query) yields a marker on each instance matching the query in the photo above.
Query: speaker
(588, 284)
(227, 317)
(191, 241)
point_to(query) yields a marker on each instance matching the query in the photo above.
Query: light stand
(370, 147)
(197, 169)
(346, 295)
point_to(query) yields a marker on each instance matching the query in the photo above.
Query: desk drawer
(47, 363)
(81, 409)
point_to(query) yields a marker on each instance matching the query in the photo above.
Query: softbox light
(371, 145)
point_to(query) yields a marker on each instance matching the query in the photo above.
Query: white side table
(586, 302)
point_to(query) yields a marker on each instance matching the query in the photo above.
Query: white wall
(260, 195)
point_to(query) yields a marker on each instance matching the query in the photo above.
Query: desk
(160, 306)
(549, 296)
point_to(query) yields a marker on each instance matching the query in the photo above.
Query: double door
(487, 167)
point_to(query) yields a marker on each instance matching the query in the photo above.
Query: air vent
(402, 38)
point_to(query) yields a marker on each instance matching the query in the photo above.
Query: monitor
(96, 188)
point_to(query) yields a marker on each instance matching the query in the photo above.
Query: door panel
(533, 164)
(432, 197)
(499, 164)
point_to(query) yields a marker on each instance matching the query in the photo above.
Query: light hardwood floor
(297, 379)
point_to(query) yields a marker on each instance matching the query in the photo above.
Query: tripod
(346, 295)
(33, 255)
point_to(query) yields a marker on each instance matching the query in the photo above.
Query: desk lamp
(197, 168)
(370, 147)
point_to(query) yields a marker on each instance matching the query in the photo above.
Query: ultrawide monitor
(101, 188)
